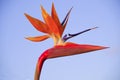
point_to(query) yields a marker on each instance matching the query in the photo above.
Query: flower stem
(39, 65)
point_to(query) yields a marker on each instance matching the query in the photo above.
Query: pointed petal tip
(42, 8)
(37, 38)
(53, 7)
(26, 14)
(71, 8)
(52, 3)
(65, 20)
(101, 47)
(94, 48)
(104, 47)
(28, 38)
(94, 28)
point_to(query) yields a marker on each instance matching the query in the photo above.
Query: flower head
(51, 26)
(54, 29)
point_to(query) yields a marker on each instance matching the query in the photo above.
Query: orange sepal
(71, 49)
(39, 25)
(38, 38)
(55, 16)
(56, 19)
(50, 23)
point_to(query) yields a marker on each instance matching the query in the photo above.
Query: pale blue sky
(18, 56)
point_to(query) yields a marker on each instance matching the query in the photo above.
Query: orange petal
(72, 49)
(55, 16)
(38, 38)
(39, 25)
(50, 23)
(56, 19)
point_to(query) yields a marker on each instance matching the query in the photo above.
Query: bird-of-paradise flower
(53, 28)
